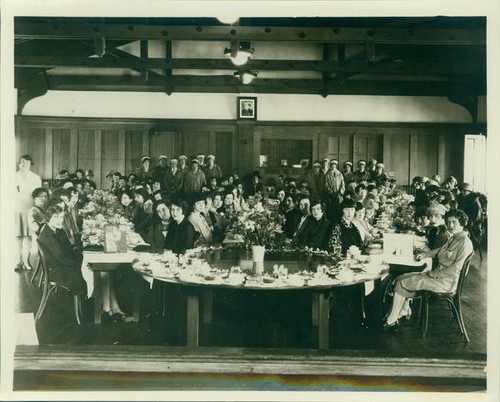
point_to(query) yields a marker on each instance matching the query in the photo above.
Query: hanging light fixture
(228, 18)
(247, 76)
(239, 53)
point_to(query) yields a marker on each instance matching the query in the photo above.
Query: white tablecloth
(100, 257)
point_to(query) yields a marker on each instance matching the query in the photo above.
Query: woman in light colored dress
(26, 182)
(442, 279)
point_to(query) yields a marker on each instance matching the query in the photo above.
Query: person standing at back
(26, 183)
(211, 169)
(160, 170)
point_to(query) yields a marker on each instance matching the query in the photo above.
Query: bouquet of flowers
(102, 202)
(401, 212)
(102, 209)
(257, 226)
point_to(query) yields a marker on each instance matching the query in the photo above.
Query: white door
(475, 162)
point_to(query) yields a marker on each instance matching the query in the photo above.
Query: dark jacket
(173, 181)
(292, 219)
(315, 233)
(180, 236)
(62, 261)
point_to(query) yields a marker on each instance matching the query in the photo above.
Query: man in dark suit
(173, 179)
(61, 259)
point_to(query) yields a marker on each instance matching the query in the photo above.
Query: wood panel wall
(100, 144)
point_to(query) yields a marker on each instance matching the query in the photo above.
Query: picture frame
(246, 108)
(304, 163)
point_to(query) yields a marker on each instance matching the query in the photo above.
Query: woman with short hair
(442, 279)
(181, 235)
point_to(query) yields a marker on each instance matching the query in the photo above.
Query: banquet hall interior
(269, 100)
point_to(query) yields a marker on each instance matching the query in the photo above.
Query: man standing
(184, 168)
(335, 188)
(312, 179)
(372, 163)
(348, 173)
(321, 186)
(211, 169)
(160, 170)
(173, 179)
(361, 175)
(26, 182)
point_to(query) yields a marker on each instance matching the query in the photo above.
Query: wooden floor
(255, 339)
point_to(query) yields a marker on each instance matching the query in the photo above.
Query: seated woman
(370, 211)
(201, 221)
(345, 233)
(160, 225)
(437, 235)
(316, 229)
(367, 231)
(61, 260)
(36, 219)
(141, 218)
(443, 278)
(422, 221)
(127, 202)
(181, 235)
(219, 221)
(292, 216)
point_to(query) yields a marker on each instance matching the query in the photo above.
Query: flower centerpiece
(402, 212)
(257, 228)
(100, 214)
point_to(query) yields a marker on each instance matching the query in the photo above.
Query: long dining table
(200, 276)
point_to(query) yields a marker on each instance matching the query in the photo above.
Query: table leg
(315, 309)
(207, 306)
(97, 297)
(137, 298)
(193, 311)
(324, 320)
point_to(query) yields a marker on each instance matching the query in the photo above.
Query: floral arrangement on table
(257, 226)
(102, 210)
(397, 213)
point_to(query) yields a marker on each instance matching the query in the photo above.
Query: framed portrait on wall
(246, 108)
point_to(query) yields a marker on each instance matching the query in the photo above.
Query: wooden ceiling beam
(227, 84)
(434, 36)
(331, 66)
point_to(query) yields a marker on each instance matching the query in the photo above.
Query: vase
(258, 259)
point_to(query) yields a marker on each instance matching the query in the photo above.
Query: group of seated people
(182, 217)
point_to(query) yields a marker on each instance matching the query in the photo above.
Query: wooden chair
(453, 299)
(49, 288)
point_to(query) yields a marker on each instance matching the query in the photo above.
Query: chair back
(463, 273)
(45, 281)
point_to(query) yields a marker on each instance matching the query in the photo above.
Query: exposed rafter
(434, 36)
(392, 56)
(228, 84)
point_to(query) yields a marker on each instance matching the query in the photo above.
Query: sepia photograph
(247, 108)
(159, 243)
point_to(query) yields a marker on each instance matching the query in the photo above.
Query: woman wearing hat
(194, 180)
(145, 169)
(211, 169)
(26, 183)
(345, 233)
(438, 234)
